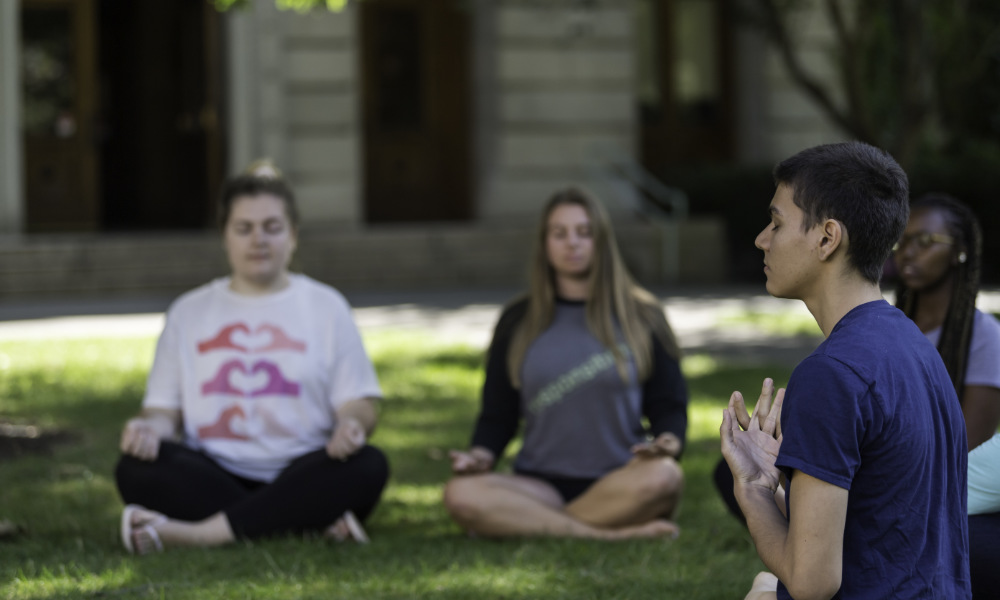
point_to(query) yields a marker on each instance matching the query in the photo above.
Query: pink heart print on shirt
(231, 425)
(224, 339)
(228, 382)
(239, 337)
(235, 378)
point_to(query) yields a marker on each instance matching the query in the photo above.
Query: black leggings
(984, 555)
(570, 488)
(723, 478)
(311, 493)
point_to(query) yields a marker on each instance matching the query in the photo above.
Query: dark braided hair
(956, 331)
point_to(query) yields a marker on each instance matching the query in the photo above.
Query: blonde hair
(613, 295)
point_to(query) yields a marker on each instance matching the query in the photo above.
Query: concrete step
(384, 258)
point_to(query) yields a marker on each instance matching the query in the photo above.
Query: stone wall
(294, 99)
(552, 87)
(384, 258)
(564, 100)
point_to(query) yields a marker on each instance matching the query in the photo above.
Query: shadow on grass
(23, 439)
(70, 508)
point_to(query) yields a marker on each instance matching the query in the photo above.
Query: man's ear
(832, 236)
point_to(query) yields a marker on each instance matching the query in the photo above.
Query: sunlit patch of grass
(50, 382)
(66, 581)
(711, 383)
(697, 365)
(69, 507)
(788, 323)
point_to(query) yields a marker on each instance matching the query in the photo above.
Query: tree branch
(851, 71)
(777, 31)
(915, 98)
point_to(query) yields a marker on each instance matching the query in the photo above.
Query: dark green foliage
(972, 175)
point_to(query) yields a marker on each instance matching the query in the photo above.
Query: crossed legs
(204, 505)
(635, 500)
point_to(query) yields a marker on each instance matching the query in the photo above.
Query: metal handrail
(665, 206)
(657, 199)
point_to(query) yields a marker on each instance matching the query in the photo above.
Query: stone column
(11, 175)
(242, 64)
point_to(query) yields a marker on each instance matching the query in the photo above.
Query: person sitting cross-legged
(260, 401)
(580, 361)
(939, 259)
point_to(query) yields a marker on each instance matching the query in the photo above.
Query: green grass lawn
(68, 506)
(784, 323)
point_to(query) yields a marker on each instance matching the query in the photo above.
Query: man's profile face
(789, 264)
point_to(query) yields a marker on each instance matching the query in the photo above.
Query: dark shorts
(570, 488)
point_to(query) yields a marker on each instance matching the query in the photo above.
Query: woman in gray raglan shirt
(581, 360)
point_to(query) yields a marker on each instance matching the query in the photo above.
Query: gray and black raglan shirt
(580, 417)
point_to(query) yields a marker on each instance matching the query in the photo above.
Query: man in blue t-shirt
(869, 439)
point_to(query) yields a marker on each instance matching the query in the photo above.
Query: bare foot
(657, 528)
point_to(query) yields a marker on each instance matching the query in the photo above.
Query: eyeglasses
(923, 240)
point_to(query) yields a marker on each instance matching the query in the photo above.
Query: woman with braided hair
(939, 260)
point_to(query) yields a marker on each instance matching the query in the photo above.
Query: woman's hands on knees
(140, 439)
(141, 435)
(472, 461)
(355, 422)
(665, 444)
(348, 438)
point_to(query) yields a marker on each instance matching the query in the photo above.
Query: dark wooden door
(121, 114)
(161, 91)
(685, 86)
(58, 67)
(416, 103)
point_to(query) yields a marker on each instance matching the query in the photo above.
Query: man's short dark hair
(254, 185)
(859, 185)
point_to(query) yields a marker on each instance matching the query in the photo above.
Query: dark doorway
(159, 131)
(685, 89)
(121, 114)
(61, 158)
(416, 102)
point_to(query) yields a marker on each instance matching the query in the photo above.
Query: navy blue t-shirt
(873, 411)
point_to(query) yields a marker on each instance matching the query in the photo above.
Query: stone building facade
(417, 116)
